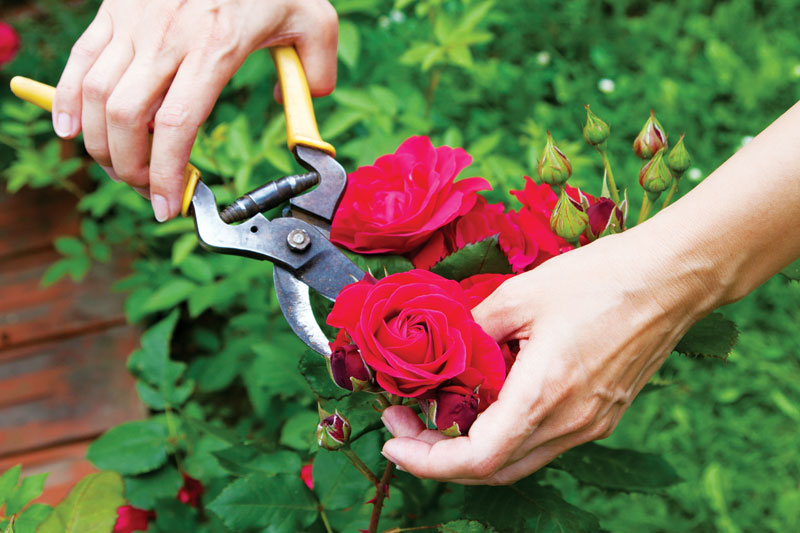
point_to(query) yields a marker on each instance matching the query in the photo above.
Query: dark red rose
(396, 204)
(453, 412)
(307, 475)
(604, 217)
(333, 431)
(480, 222)
(130, 519)
(346, 366)
(416, 332)
(9, 43)
(191, 491)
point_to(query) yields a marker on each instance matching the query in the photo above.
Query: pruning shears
(297, 243)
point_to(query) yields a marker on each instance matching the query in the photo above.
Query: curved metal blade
(295, 303)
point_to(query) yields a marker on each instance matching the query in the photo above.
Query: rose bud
(191, 491)
(348, 369)
(568, 220)
(654, 176)
(605, 218)
(453, 412)
(307, 475)
(651, 139)
(679, 159)
(595, 132)
(130, 519)
(333, 432)
(9, 43)
(554, 167)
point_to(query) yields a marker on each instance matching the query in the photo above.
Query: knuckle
(96, 87)
(82, 50)
(98, 151)
(486, 467)
(584, 418)
(174, 115)
(121, 113)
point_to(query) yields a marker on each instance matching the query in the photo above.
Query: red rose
(416, 332)
(9, 43)
(396, 204)
(482, 221)
(191, 491)
(307, 475)
(479, 286)
(130, 519)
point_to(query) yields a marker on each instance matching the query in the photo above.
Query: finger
(496, 314)
(186, 106)
(84, 53)
(130, 108)
(97, 86)
(402, 421)
(317, 49)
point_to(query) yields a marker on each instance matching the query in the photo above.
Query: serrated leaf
(34, 515)
(143, 491)
(131, 448)
(713, 336)
(299, 431)
(482, 257)
(336, 482)
(29, 489)
(526, 506)
(465, 526)
(617, 469)
(792, 271)
(314, 370)
(258, 501)
(379, 265)
(246, 459)
(8, 481)
(90, 507)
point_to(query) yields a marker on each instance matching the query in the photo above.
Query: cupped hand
(167, 61)
(593, 325)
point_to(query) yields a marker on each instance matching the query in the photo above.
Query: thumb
(499, 314)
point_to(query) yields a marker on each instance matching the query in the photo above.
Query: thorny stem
(360, 466)
(612, 185)
(672, 190)
(380, 492)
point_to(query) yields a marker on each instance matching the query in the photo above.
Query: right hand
(167, 61)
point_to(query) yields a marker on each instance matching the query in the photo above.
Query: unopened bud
(605, 218)
(568, 220)
(679, 159)
(347, 368)
(651, 139)
(554, 167)
(654, 176)
(595, 132)
(333, 432)
(453, 412)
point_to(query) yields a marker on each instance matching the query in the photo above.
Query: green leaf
(182, 247)
(8, 481)
(349, 43)
(526, 506)
(713, 336)
(56, 271)
(336, 481)
(91, 506)
(299, 431)
(479, 258)
(259, 500)
(465, 526)
(70, 246)
(169, 295)
(792, 271)
(617, 469)
(131, 448)
(143, 491)
(246, 459)
(29, 489)
(379, 265)
(34, 515)
(313, 368)
(197, 269)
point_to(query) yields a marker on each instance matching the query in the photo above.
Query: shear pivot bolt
(298, 240)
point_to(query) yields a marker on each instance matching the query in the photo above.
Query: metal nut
(298, 240)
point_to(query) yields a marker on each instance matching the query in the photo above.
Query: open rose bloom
(410, 336)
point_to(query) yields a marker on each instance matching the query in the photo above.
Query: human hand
(167, 62)
(593, 325)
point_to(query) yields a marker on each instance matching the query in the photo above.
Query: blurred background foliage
(491, 77)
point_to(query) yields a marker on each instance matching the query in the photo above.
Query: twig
(360, 466)
(380, 492)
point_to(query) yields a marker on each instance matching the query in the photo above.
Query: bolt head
(298, 240)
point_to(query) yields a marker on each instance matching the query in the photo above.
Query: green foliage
(20, 515)
(713, 336)
(792, 271)
(477, 258)
(90, 507)
(131, 448)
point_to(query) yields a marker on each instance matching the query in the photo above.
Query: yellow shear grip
(301, 125)
(35, 92)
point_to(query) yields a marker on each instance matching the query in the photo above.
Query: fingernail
(388, 457)
(387, 424)
(63, 124)
(160, 207)
(110, 172)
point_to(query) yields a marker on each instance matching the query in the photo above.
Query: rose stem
(672, 190)
(646, 204)
(612, 186)
(380, 492)
(359, 464)
(383, 401)
(325, 522)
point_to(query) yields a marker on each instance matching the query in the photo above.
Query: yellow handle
(301, 125)
(41, 95)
